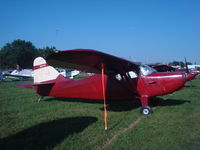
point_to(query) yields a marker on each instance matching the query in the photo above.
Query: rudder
(43, 72)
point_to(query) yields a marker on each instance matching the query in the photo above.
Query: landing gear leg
(190, 83)
(40, 98)
(145, 110)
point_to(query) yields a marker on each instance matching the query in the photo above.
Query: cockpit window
(146, 70)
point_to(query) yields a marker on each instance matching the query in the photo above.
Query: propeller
(186, 66)
(187, 71)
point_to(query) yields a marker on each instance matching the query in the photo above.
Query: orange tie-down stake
(104, 96)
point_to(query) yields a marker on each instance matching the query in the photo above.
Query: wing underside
(90, 61)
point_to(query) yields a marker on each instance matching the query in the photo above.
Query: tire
(146, 110)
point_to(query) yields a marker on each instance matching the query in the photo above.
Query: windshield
(146, 70)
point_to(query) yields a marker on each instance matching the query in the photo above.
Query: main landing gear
(145, 110)
(40, 98)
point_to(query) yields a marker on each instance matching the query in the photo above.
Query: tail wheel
(146, 110)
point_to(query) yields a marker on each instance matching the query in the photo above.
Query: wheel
(146, 110)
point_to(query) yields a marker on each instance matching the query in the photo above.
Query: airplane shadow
(119, 105)
(128, 105)
(190, 86)
(74, 100)
(46, 135)
(125, 105)
(167, 102)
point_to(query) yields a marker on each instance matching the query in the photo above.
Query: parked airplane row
(16, 75)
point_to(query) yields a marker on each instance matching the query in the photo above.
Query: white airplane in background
(18, 75)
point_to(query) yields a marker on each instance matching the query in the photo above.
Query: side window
(132, 74)
(118, 77)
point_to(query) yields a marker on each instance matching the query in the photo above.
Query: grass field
(64, 124)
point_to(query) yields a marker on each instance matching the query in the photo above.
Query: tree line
(21, 53)
(179, 63)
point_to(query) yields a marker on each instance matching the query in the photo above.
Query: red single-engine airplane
(114, 79)
(168, 68)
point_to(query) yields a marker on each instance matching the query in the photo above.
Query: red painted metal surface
(91, 87)
(157, 83)
(191, 75)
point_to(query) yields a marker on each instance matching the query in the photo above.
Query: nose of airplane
(170, 82)
(191, 76)
(176, 81)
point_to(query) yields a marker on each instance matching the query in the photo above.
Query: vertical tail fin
(42, 71)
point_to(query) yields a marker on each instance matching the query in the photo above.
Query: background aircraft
(18, 74)
(167, 68)
(164, 68)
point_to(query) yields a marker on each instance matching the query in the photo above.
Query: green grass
(58, 124)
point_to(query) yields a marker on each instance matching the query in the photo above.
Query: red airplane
(164, 68)
(168, 68)
(114, 79)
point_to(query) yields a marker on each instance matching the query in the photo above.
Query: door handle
(152, 82)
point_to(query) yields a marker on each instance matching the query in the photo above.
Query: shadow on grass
(190, 86)
(133, 104)
(124, 105)
(112, 105)
(168, 102)
(46, 135)
(74, 100)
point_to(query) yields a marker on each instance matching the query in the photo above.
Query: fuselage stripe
(169, 76)
(40, 66)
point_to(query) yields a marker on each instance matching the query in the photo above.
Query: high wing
(90, 61)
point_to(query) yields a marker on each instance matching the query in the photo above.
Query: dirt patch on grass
(114, 136)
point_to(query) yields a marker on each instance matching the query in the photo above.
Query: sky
(148, 31)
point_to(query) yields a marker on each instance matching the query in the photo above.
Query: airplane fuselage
(147, 86)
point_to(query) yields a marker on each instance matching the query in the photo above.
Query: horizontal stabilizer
(26, 85)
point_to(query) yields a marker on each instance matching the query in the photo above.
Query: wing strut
(104, 95)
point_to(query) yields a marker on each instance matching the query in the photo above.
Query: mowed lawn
(71, 124)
